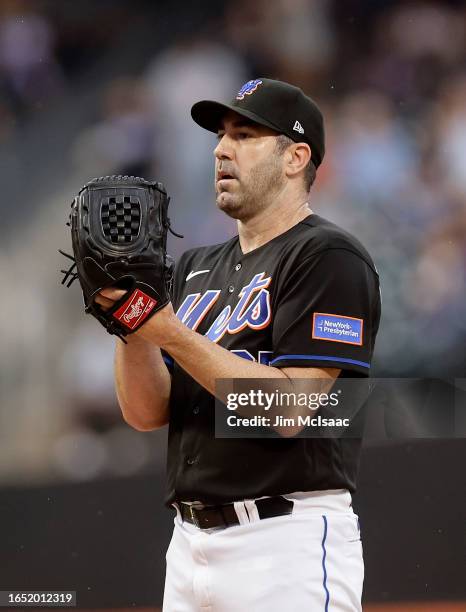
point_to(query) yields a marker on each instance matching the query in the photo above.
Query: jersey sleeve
(178, 278)
(326, 312)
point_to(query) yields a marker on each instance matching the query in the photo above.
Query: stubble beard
(256, 191)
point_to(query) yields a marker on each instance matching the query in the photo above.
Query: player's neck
(270, 223)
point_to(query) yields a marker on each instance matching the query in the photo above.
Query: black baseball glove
(119, 228)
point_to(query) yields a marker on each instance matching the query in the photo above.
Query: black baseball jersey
(310, 298)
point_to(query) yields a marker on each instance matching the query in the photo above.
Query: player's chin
(228, 204)
(223, 198)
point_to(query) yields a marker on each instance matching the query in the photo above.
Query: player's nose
(223, 150)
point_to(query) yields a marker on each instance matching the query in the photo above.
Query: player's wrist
(162, 328)
(133, 341)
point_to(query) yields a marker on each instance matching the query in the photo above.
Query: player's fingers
(112, 294)
(104, 302)
(107, 297)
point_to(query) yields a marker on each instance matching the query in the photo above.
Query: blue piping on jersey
(324, 556)
(321, 358)
(168, 361)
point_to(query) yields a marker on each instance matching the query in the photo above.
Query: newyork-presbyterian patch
(337, 328)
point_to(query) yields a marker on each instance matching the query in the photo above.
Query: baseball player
(261, 524)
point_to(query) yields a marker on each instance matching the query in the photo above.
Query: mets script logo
(252, 310)
(248, 88)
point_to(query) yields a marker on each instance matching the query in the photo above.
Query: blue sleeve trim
(324, 557)
(168, 361)
(364, 364)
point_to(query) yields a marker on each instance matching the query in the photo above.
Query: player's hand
(156, 330)
(108, 296)
(162, 327)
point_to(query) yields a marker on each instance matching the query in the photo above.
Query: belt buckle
(194, 517)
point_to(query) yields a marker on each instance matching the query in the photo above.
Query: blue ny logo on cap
(248, 88)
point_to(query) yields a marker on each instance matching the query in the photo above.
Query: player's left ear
(297, 159)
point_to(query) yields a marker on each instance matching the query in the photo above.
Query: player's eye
(220, 135)
(243, 135)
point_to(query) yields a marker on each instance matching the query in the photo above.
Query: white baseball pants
(310, 560)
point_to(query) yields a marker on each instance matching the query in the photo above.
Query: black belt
(224, 515)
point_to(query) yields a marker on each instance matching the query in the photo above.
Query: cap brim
(209, 114)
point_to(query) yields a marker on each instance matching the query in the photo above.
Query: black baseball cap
(275, 104)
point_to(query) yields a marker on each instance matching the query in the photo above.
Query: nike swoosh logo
(193, 274)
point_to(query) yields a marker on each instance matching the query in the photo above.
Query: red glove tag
(136, 308)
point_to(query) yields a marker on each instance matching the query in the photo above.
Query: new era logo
(298, 127)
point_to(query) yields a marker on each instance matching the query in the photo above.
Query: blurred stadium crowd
(390, 77)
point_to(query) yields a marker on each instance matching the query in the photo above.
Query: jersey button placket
(238, 267)
(196, 410)
(231, 289)
(191, 460)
